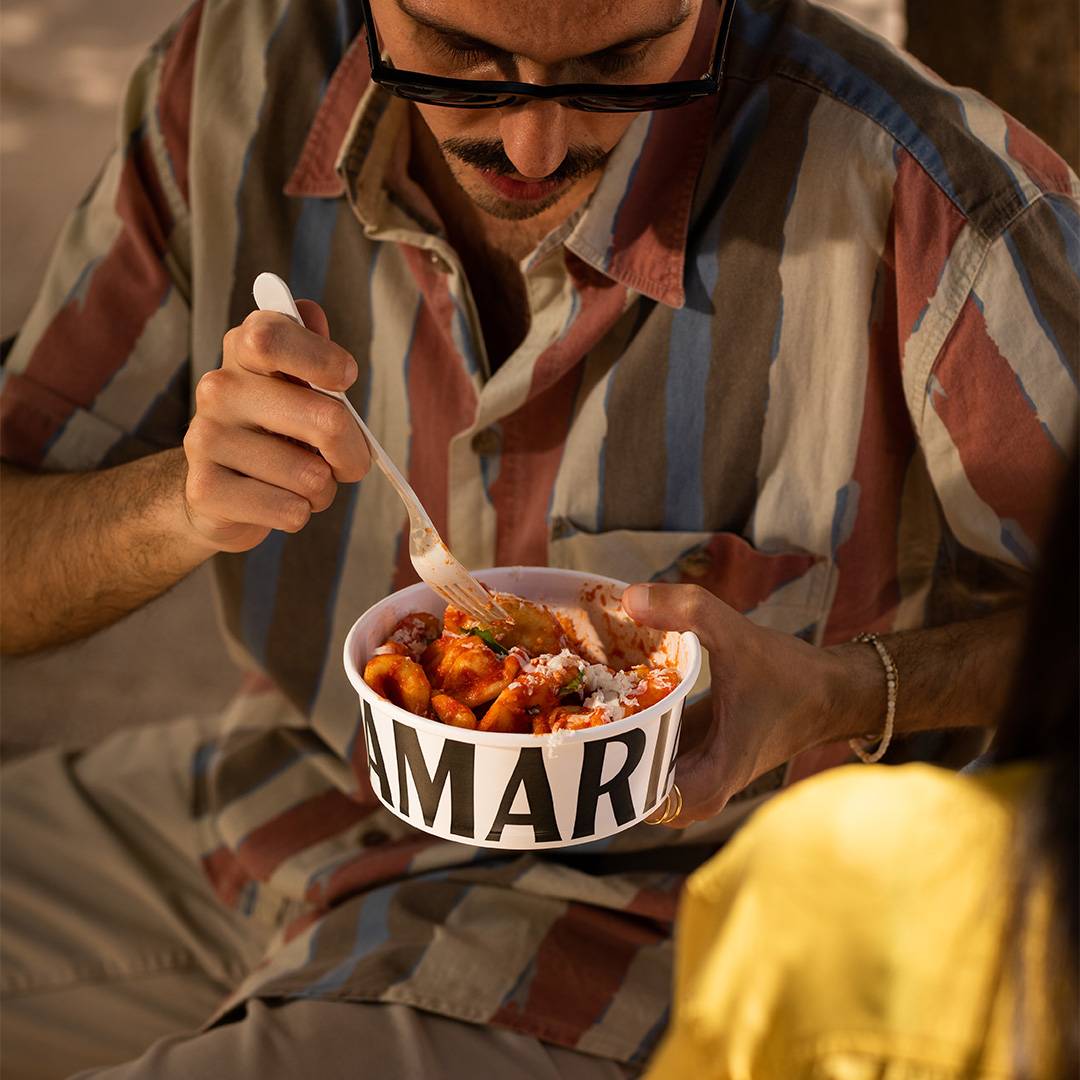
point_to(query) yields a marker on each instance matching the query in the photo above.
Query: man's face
(516, 162)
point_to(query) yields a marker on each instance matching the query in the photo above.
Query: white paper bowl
(492, 789)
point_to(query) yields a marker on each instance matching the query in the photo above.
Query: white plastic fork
(430, 556)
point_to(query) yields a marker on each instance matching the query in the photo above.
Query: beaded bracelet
(892, 684)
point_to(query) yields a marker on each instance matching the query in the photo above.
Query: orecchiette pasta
(400, 680)
(528, 674)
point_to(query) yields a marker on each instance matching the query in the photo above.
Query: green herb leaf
(574, 685)
(488, 638)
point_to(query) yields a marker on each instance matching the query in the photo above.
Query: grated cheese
(550, 664)
(412, 634)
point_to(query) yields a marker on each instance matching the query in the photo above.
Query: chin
(509, 209)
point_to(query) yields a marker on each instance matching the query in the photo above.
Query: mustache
(489, 155)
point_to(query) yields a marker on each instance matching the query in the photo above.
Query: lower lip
(521, 190)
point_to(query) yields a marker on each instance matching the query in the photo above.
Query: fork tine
(469, 586)
(486, 602)
(465, 602)
(454, 594)
(483, 600)
(473, 597)
(451, 596)
(439, 590)
(461, 599)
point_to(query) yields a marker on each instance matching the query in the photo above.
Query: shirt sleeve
(999, 407)
(818, 946)
(99, 373)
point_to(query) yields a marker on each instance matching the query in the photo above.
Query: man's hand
(264, 451)
(770, 694)
(81, 550)
(774, 696)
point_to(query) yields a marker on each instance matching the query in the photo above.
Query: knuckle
(325, 498)
(199, 485)
(698, 603)
(295, 515)
(314, 476)
(261, 331)
(330, 419)
(231, 341)
(198, 437)
(211, 388)
(345, 368)
(708, 809)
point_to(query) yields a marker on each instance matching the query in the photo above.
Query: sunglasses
(587, 97)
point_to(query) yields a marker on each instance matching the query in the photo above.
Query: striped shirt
(811, 344)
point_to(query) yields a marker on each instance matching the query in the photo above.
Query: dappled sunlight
(64, 67)
(95, 75)
(15, 135)
(20, 27)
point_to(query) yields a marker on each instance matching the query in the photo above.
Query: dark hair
(1042, 723)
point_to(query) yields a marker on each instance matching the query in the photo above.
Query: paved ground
(64, 67)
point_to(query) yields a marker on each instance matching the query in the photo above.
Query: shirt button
(374, 837)
(439, 262)
(487, 443)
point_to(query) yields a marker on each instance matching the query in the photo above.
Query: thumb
(681, 607)
(314, 317)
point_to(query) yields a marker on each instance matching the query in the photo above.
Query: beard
(488, 155)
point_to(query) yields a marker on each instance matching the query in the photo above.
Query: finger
(696, 774)
(268, 343)
(314, 317)
(266, 457)
(234, 398)
(682, 607)
(696, 724)
(222, 497)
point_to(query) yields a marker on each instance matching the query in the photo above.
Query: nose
(535, 137)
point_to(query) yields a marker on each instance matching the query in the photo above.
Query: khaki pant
(114, 950)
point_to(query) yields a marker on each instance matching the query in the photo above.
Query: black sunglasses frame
(585, 97)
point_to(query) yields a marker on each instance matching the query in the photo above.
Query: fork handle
(272, 294)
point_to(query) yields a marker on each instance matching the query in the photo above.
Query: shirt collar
(317, 173)
(633, 229)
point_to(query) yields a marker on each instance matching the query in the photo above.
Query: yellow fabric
(853, 930)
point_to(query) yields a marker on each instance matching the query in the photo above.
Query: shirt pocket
(787, 590)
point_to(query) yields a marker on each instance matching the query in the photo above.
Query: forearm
(775, 696)
(949, 677)
(80, 551)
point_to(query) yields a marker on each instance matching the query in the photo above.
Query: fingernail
(635, 601)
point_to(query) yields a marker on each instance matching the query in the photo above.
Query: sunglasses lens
(602, 103)
(462, 96)
(456, 99)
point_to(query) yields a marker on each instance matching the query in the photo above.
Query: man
(801, 349)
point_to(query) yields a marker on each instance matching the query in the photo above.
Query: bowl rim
(515, 739)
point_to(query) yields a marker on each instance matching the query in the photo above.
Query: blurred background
(63, 65)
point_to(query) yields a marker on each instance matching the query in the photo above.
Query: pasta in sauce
(527, 674)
